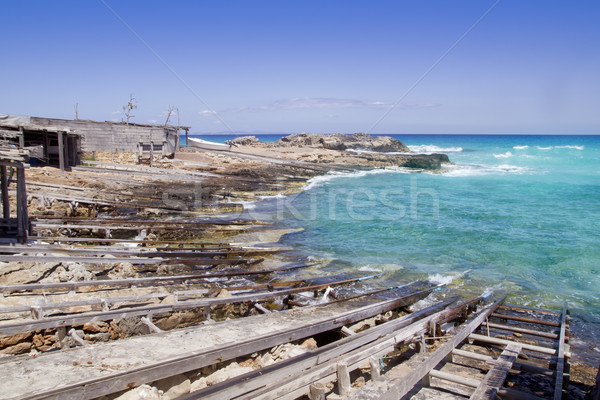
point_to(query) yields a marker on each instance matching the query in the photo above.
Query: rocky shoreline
(193, 187)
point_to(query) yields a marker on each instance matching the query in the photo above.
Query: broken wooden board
(93, 371)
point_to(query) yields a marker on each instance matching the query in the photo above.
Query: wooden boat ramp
(303, 343)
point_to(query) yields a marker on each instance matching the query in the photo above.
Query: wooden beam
(516, 307)
(494, 379)
(504, 342)
(531, 332)
(290, 376)
(138, 281)
(82, 318)
(22, 212)
(5, 198)
(560, 359)
(396, 389)
(528, 320)
(490, 360)
(469, 382)
(61, 150)
(132, 260)
(88, 388)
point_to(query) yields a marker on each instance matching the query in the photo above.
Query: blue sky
(305, 66)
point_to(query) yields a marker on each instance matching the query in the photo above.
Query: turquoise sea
(517, 213)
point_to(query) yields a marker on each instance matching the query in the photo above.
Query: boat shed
(60, 142)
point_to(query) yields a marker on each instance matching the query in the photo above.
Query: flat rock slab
(45, 374)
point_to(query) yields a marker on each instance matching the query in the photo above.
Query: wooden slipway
(92, 371)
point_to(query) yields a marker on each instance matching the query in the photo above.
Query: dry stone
(96, 327)
(14, 339)
(231, 371)
(174, 386)
(144, 392)
(20, 348)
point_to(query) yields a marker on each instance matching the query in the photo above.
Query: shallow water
(519, 213)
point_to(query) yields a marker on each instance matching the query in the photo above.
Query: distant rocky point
(338, 141)
(378, 151)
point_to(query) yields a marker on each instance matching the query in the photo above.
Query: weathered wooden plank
(136, 252)
(504, 342)
(82, 318)
(529, 320)
(179, 294)
(300, 371)
(532, 332)
(320, 319)
(503, 392)
(516, 307)
(489, 359)
(395, 389)
(4, 188)
(139, 281)
(560, 359)
(151, 222)
(132, 260)
(494, 379)
(143, 242)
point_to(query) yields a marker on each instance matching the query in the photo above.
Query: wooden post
(61, 150)
(21, 138)
(5, 198)
(151, 153)
(186, 137)
(375, 369)
(316, 391)
(343, 378)
(22, 214)
(61, 337)
(140, 151)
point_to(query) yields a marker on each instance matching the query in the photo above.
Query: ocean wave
(430, 149)
(520, 147)
(268, 197)
(543, 148)
(461, 170)
(334, 175)
(570, 147)
(505, 155)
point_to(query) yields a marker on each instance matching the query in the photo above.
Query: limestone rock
(20, 348)
(245, 140)
(224, 293)
(309, 344)
(122, 270)
(174, 386)
(144, 392)
(14, 339)
(231, 371)
(198, 384)
(338, 141)
(96, 327)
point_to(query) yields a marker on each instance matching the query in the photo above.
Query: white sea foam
(571, 147)
(248, 205)
(520, 147)
(461, 170)
(543, 148)
(333, 175)
(430, 149)
(268, 197)
(369, 268)
(441, 279)
(505, 155)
